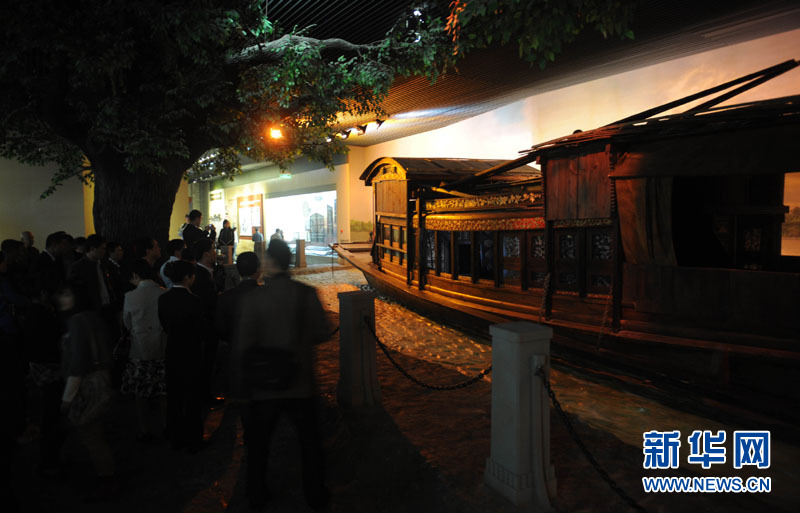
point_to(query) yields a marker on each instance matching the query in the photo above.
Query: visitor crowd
(86, 319)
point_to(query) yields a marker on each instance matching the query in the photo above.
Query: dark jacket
(229, 309)
(192, 234)
(84, 330)
(205, 287)
(285, 314)
(226, 237)
(86, 282)
(180, 314)
(47, 274)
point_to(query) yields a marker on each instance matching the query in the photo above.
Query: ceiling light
(275, 133)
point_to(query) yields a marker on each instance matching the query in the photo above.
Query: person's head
(72, 300)
(255, 229)
(278, 231)
(195, 217)
(180, 272)
(27, 239)
(79, 245)
(3, 265)
(204, 252)
(140, 270)
(186, 219)
(226, 224)
(148, 249)
(248, 265)
(278, 256)
(187, 255)
(95, 247)
(13, 251)
(114, 251)
(58, 243)
(174, 247)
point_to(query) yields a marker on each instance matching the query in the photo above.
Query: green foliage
(152, 86)
(541, 28)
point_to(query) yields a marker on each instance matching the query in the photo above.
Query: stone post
(358, 379)
(519, 465)
(300, 253)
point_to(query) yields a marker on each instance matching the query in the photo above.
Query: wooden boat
(653, 242)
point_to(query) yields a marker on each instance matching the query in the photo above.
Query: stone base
(520, 489)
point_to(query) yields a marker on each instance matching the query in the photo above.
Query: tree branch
(272, 51)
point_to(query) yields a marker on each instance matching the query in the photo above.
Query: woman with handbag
(145, 372)
(88, 394)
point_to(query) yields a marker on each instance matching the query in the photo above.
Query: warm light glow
(275, 133)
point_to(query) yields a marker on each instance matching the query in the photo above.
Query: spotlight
(275, 133)
(362, 129)
(378, 123)
(345, 133)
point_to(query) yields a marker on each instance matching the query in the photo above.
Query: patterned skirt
(144, 378)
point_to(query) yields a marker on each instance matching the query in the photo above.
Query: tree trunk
(131, 206)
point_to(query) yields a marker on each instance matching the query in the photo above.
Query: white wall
(503, 132)
(21, 209)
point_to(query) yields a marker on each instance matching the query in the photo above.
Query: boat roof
(437, 170)
(718, 120)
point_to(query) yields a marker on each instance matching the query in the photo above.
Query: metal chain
(405, 373)
(561, 413)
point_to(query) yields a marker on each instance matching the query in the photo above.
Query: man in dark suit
(282, 315)
(192, 232)
(89, 277)
(180, 314)
(205, 288)
(47, 271)
(229, 305)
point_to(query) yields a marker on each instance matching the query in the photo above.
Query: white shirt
(167, 281)
(140, 315)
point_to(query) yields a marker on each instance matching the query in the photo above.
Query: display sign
(251, 215)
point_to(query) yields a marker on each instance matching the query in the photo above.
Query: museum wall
(21, 209)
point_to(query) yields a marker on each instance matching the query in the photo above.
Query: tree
(132, 93)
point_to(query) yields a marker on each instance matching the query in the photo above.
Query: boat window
(566, 261)
(485, 241)
(463, 253)
(732, 221)
(537, 258)
(443, 253)
(790, 229)
(599, 264)
(430, 250)
(511, 252)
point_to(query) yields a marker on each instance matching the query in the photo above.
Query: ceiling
(486, 80)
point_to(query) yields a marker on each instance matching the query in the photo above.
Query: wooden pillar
(422, 241)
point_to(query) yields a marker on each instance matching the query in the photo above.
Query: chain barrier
(485, 372)
(561, 413)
